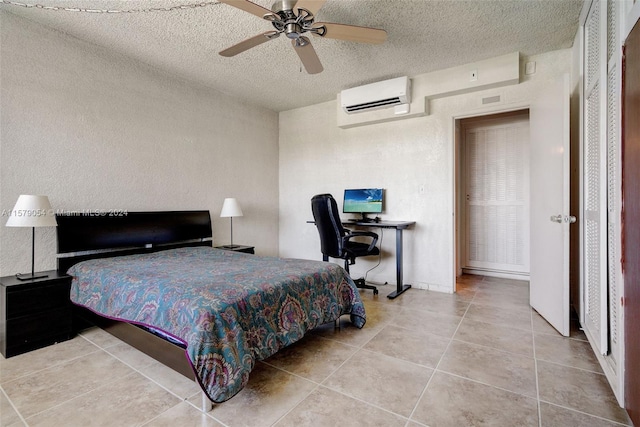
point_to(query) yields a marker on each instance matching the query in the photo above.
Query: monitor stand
(365, 219)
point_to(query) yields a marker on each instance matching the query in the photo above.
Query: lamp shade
(32, 211)
(230, 208)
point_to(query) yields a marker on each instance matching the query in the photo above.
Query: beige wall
(402, 156)
(94, 130)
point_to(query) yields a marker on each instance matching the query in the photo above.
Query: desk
(399, 226)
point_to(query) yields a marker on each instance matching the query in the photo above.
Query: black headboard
(84, 236)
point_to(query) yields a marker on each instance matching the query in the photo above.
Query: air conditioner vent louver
(376, 95)
(374, 104)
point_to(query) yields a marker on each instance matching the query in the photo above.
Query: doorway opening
(492, 195)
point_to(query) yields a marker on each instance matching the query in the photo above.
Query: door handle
(569, 219)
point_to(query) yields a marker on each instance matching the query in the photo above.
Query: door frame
(497, 119)
(630, 136)
(456, 218)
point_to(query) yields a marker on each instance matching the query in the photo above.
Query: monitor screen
(364, 200)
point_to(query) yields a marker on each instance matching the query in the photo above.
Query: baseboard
(499, 274)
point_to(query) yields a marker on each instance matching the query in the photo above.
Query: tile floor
(479, 357)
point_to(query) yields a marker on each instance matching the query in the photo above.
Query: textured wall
(93, 130)
(403, 156)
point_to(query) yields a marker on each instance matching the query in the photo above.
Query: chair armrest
(374, 237)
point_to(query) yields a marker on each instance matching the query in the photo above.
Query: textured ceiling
(423, 36)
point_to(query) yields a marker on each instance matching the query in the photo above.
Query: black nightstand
(34, 313)
(238, 248)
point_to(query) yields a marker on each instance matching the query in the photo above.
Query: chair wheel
(375, 292)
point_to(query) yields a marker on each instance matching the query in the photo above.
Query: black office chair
(335, 240)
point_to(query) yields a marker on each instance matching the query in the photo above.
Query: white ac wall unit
(377, 95)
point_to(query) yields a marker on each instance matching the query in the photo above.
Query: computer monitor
(363, 201)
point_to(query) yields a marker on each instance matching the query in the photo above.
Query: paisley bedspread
(230, 309)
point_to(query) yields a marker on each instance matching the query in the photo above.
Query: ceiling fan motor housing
(285, 20)
(283, 5)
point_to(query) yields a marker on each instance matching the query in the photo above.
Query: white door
(550, 217)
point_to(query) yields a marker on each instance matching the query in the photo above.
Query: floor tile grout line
(324, 386)
(262, 361)
(102, 385)
(364, 401)
(97, 349)
(181, 399)
(281, 417)
(570, 366)
(186, 401)
(585, 413)
(199, 409)
(159, 415)
(556, 334)
(318, 385)
(6, 396)
(530, 356)
(424, 390)
(335, 340)
(429, 312)
(322, 383)
(453, 374)
(148, 377)
(535, 365)
(499, 324)
(529, 397)
(492, 348)
(358, 349)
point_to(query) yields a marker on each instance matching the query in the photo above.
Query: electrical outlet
(473, 76)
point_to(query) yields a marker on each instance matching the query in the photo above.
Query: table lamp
(32, 211)
(230, 208)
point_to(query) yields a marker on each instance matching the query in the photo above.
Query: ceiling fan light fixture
(301, 41)
(293, 31)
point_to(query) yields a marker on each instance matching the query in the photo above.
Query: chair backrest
(327, 219)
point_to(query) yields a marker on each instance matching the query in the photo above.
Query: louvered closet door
(496, 182)
(614, 188)
(595, 179)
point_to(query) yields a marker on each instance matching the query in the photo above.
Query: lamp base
(30, 276)
(230, 246)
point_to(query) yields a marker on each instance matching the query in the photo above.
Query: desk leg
(400, 288)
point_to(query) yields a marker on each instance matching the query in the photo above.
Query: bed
(154, 280)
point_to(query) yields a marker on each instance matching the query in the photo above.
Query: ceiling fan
(294, 19)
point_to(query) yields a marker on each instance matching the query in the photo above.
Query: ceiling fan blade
(312, 6)
(352, 33)
(247, 6)
(307, 55)
(249, 43)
